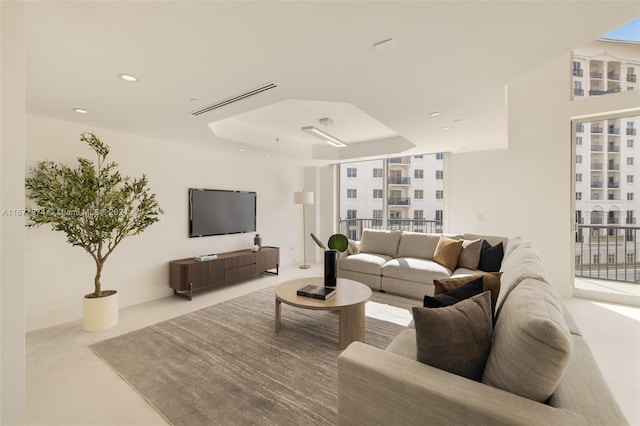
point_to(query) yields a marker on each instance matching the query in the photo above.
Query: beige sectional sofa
(402, 262)
(539, 370)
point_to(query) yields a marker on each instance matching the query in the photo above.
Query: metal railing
(608, 252)
(353, 228)
(398, 201)
(395, 180)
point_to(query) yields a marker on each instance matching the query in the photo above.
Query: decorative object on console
(303, 198)
(456, 338)
(337, 243)
(96, 207)
(257, 240)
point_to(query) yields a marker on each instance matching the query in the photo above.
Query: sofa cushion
(470, 254)
(511, 246)
(532, 345)
(447, 252)
(455, 338)
(367, 263)
(422, 246)
(491, 257)
(455, 295)
(353, 247)
(523, 262)
(417, 270)
(491, 282)
(380, 242)
(404, 344)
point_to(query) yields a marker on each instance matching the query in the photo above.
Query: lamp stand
(304, 240)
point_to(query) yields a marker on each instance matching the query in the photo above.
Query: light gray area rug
(224, 365)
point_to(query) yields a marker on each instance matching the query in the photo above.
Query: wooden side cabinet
(187, 275)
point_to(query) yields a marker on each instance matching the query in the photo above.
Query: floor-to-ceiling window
(399, 193)
(607, 244)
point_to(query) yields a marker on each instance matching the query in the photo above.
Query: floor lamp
(303, 198)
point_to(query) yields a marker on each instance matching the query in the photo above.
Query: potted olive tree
(96, 207)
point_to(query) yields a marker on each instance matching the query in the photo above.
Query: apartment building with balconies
(395, 193)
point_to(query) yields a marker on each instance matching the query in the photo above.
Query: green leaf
(318, 242)
(338, 242)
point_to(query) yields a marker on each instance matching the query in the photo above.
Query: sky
(628, 32)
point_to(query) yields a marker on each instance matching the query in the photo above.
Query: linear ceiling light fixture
(321, 134)
(236, 98)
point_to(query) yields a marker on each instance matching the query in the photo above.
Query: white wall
(58, 275)
(12, 290)
(526, 189)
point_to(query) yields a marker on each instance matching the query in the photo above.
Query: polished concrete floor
(68, 385)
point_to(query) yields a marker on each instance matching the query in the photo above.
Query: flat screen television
(219, 212)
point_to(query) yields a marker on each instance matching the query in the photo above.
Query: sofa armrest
(376, 387)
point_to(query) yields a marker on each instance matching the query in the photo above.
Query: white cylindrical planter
(99, 313)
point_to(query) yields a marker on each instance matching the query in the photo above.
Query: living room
(484, 186)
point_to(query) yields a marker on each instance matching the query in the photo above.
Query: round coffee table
(348, 301)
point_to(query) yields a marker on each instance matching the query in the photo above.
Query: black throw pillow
(491, 257)
(454, 296)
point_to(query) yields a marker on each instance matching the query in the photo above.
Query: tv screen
(218, 212)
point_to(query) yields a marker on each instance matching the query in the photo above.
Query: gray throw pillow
(470, 254)
(456, 338)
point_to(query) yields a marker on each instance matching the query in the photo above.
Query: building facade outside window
(409, 202)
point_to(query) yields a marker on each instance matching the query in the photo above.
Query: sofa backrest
(380, 242)
(524, 262)
(532, 345)
(491, 239)
(419, 245)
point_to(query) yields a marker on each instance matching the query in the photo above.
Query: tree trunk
(96, 280)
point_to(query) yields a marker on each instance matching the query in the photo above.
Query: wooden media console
(187, 275)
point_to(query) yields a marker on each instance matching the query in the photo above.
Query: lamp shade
(303, 197)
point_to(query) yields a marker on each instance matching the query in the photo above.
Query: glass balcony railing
(608, 252)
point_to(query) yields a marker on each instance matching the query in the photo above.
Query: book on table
(317, 291)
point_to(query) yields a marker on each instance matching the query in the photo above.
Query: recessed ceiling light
(81, 111)
(267, 155)
(447, 128)
(242, 150)
(435, 114)
(457, 120)
(128, 77)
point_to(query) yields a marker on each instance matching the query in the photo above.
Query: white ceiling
(450, 56)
